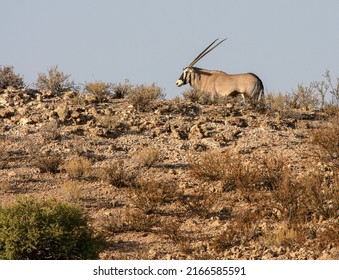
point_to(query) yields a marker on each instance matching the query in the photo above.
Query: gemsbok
(215, 82)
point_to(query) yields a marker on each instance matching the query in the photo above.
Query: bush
(55, 81)
(327, 138)
(148, 157)
(142, 96)
(203, 98)
(78, 168)
(117, 175)
(100, 90)
(48, 162)
(122, 90)
(277, 102)
(9, 78)
(32, 230)
(304, 97)
(213, 165)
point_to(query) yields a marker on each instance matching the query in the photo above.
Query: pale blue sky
(284, 42)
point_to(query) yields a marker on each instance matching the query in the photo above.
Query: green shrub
(55, 81)
(31, 230)
(9, 78)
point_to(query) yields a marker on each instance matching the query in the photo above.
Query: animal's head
(186, 74)
(185, 77)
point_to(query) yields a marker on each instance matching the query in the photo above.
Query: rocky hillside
(179, 180)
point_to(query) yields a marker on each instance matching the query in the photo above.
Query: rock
(195, 133)
(7, 112)
(24, 121)
(62, 112)
(229, 105)
(22, 111)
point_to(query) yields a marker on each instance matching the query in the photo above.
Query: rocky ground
(137, 175)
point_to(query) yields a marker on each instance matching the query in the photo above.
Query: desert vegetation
(127, 174)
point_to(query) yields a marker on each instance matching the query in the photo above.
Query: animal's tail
(258, 91)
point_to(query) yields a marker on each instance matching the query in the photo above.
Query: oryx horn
(206, 51)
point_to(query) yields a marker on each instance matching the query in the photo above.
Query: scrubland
(135, 176)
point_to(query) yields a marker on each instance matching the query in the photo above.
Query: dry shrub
(78, 168)
(122, 90)
(212, 165)
(47, 162)
(204, 98)
(314, 195)
(72, 190)
(203, 203)
(148, 157)
(277, 102)
(290, 201)
(272, 171)
(142, 96)
(100, 90)
(327, 138)
(242, 230)
(234, 172)
(117, 175)
(131, 220)
(50, 131)
(150, 196)
(286, 235)
(304, 97)
(138, 220)
(9, 78)
(5, 185)
(172, 230)
(328, 236)
(192, 95)
(322, 194)
(55, 81)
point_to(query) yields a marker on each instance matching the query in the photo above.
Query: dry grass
(71, 190)
(148, 157)
(289, 200)
(5, 185)
(150, 196)
(285, 235)
(172, 230)
(242, 230)
(47, 162)
(78, 168)
(277, 102)
(212, 165)
(322, 194)
(203, 98)
(131, 220)
(327, 139)
(203, 203)
(234, 172)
